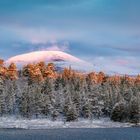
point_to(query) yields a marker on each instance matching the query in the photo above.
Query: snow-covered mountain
(61, 59)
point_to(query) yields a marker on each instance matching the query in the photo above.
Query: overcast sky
(103, 32)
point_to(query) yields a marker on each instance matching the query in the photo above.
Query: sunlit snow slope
(60, 58)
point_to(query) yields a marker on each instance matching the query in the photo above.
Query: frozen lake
(72, 134)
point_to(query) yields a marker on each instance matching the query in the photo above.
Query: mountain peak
(37, 56)
(58, 57)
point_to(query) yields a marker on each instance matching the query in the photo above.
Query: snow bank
(11, 122)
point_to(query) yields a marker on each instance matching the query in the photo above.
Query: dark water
(71, 134)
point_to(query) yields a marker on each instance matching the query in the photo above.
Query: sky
(105, 33)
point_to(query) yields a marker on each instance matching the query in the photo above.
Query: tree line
(39, 90)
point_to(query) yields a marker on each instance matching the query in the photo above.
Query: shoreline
(42, 124)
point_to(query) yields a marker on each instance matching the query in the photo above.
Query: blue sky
(103, 32)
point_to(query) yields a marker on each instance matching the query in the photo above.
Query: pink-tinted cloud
(122, 62)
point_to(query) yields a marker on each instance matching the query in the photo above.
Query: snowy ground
(11, 122)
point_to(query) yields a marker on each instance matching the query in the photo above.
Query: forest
(40, 90)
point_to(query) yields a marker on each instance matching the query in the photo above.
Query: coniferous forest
(39, 90)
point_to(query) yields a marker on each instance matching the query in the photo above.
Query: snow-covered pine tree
(69, 109)
(24, 106)
(10, 97)
(2, 97)
(135, 109)
(119, 112)
(86, 109)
